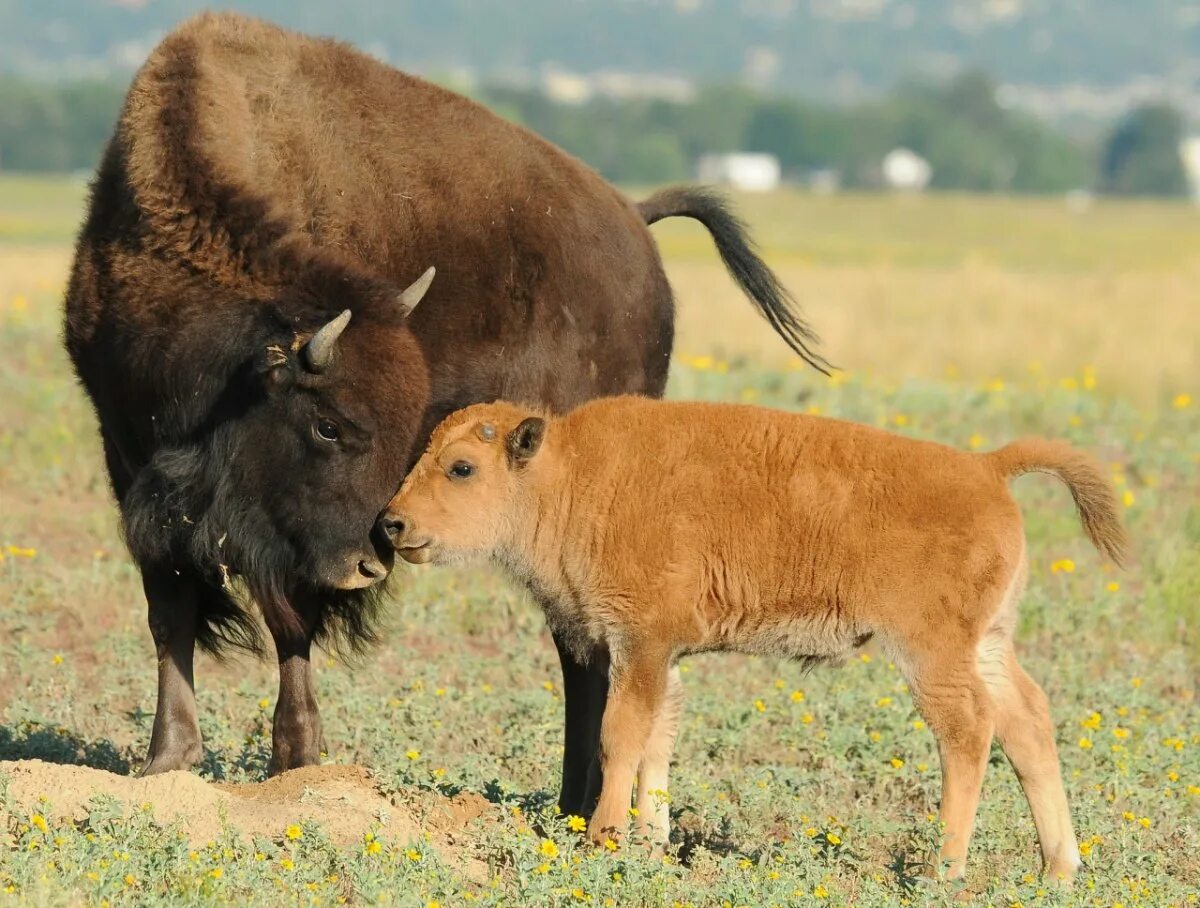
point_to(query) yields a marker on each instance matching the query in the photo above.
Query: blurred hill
(1063, 59)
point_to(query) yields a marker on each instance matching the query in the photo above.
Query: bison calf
(650, 530)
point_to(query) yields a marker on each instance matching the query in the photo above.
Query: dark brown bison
(246, 313)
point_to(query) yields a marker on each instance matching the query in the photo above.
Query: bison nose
(372, 569)
(392, 526)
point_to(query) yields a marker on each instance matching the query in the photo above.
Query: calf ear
(523, 441)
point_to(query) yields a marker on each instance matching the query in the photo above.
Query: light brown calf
(651, 530)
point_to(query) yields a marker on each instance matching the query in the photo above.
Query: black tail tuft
(736, 248)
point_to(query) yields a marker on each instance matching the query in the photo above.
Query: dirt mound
(343, 800)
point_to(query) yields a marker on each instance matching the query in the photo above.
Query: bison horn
(318, 352)
(409, 298)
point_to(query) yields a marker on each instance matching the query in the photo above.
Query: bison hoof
(169, 759)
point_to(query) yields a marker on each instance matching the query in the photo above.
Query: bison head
(306, 439)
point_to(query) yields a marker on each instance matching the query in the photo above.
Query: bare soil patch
(343, 800)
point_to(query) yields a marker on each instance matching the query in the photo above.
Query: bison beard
(259, 186)
(239, 556)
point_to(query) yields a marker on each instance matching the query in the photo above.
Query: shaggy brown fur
(650, 530)
(259, 184)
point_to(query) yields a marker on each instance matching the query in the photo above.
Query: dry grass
(978, 288)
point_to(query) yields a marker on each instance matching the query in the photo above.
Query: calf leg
(173, 599)
(296, 737)
(638, 685)
(955, 704)
(585, 690)
(653, 807)
(1026, 733)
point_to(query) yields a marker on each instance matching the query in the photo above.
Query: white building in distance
(906, 170)
(1189, 154)
(749, 171)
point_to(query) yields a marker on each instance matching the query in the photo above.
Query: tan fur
(660, 529)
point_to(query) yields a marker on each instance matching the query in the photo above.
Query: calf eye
(327, 430)
(461, 470)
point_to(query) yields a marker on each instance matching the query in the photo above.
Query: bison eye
(461, 470)
(327, 430)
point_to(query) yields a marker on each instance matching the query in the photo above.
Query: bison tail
(1095, 498)
(737, 251)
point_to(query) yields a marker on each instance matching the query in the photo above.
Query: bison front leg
(585, 691)
(296, 738)
(173, 599)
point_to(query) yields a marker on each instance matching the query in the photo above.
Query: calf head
(461, 498)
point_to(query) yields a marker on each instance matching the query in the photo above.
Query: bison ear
(407, 301)
(273, 367)
(523, 441)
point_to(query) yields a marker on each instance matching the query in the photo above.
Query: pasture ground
(970, 321)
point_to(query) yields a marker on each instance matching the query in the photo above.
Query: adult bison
(243, 311)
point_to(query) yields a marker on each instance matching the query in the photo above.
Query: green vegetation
(972, 142)
(789, 789)
(1141, 157)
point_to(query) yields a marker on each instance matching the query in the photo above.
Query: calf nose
(392, 527)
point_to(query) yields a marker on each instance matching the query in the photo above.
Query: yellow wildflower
(548, 848)
(412, 754)
(897, 762)
(797, 696)
(39, 821)
(1181, 401)
(293, 832)
(287, 864)
(576, 824)
(1085, 743)
(1065, 565)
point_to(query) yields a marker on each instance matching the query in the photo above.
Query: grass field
(964, 320)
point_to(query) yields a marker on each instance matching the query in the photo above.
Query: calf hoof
(1061, 872)
(171, 758)
(601, 834)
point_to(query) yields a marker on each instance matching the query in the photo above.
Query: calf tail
(736, 249)
(1095, 498)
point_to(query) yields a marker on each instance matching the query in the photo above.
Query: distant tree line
(972, 142)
